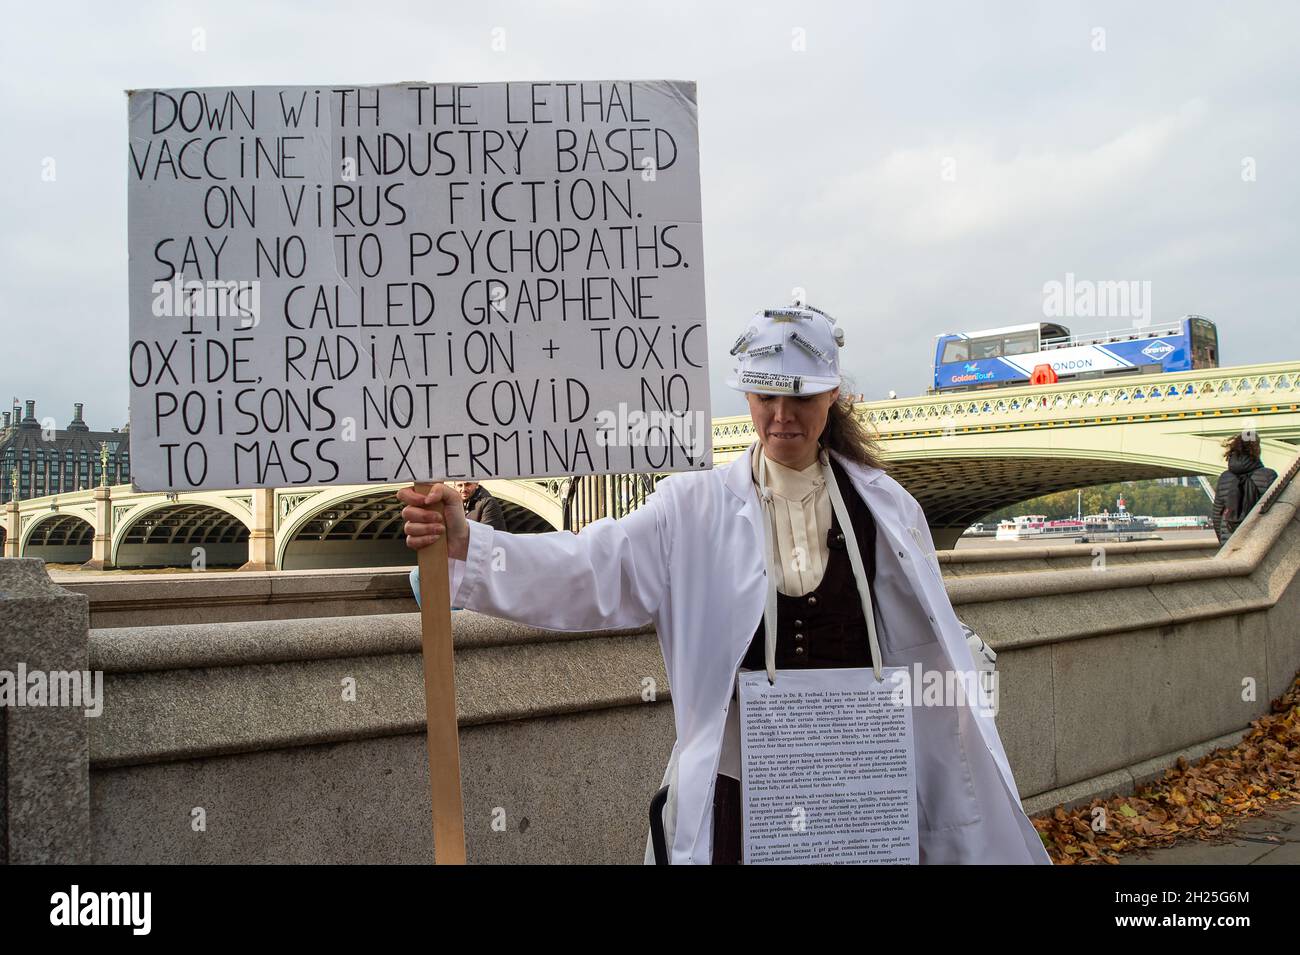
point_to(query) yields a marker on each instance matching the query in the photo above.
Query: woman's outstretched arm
(612, 575)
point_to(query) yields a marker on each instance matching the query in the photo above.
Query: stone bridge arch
(361, 525)
(57, 537)
(165, 533)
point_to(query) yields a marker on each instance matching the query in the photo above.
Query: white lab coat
(690, 562)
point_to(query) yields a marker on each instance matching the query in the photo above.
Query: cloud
(965, 189)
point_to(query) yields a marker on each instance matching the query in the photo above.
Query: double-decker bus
(997, 357)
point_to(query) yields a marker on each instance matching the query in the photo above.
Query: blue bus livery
(998, 357)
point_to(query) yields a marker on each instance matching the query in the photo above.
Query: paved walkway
(1262, 840)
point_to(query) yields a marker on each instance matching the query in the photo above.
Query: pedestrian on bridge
(1240, 487)
(480, 505)
(801, 552)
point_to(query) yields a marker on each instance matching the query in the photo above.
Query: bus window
(1022, 343)
(1205, 341)
(986, 348)
(955, 351)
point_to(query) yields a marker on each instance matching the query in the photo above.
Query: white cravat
(802, 511)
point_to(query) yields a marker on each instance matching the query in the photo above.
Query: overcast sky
(919, 167)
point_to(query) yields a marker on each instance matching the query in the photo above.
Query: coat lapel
(740, 482)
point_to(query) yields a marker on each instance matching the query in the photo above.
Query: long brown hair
(847, 433)
(1243, 444)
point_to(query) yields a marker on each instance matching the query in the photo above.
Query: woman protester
(800, 553)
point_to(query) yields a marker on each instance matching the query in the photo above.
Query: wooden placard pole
(442, 728)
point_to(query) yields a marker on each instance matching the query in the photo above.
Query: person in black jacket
(480, 505)
(1241, 486)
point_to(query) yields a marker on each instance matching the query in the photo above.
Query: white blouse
(803, 519)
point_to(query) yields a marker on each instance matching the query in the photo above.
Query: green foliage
(1147, 498)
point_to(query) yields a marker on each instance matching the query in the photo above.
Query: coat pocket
(900, 610)
(945, 787)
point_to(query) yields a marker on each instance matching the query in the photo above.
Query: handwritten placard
(345, 285)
